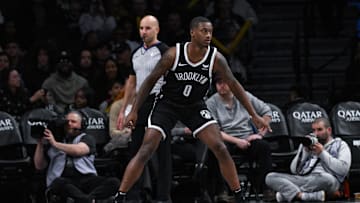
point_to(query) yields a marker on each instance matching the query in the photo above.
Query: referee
(144, 59)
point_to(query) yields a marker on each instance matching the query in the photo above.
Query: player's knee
(220, 150)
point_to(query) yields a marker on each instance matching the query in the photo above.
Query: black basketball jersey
(186, 82)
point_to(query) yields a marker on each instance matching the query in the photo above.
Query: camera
(56, 126)
(309, 140)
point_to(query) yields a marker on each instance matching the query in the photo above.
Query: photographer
(71, 171)
(319, 167)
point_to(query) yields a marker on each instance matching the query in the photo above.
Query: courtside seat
(189, 169)
(345, 118)
(14, 161)
(107, 164)
(33, 119)
(281, 144)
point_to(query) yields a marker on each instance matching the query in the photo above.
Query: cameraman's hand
(317, 148)
(49, 137)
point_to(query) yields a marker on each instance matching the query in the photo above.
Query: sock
(237, 190)
(119, 193)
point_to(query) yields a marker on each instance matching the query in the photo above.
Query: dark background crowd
(97, 38)
(33, 33)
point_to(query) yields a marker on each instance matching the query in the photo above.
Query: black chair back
(14, 161)
(301, 116)
(345, 118)
(97, 126)
(281, 144)
(278, 122)
(32, 119)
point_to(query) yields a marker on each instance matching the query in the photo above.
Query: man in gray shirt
(318, 168)
(239, 134)
(62, 85)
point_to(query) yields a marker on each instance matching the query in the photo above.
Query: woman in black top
(14, 98)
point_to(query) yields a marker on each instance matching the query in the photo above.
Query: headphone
(84, 118)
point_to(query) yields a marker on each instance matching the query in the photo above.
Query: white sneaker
(279, 197)
(313, 196)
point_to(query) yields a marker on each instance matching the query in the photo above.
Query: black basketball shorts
(165, 114)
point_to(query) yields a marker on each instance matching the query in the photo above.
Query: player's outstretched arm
(222, 69)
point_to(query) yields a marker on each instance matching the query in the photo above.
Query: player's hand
(131, 119)
(261, 124)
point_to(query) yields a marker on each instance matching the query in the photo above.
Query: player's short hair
(199, 19)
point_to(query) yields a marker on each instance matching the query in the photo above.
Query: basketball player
(187, 70)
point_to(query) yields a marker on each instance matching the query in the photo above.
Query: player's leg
(211, 136)
(135, 167)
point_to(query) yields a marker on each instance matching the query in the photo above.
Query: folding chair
(32, 119)
(14, 161)
(107, 164)
(345, 118)
(189, 169)
(281, 143)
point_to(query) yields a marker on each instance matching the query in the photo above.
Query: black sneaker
(240, 196)
(119, 198)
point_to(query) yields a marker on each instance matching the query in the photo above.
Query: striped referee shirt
(143, 63)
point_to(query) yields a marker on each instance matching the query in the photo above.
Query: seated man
(70, 161)
(317, 169)
(239, 134)
(62, 85)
